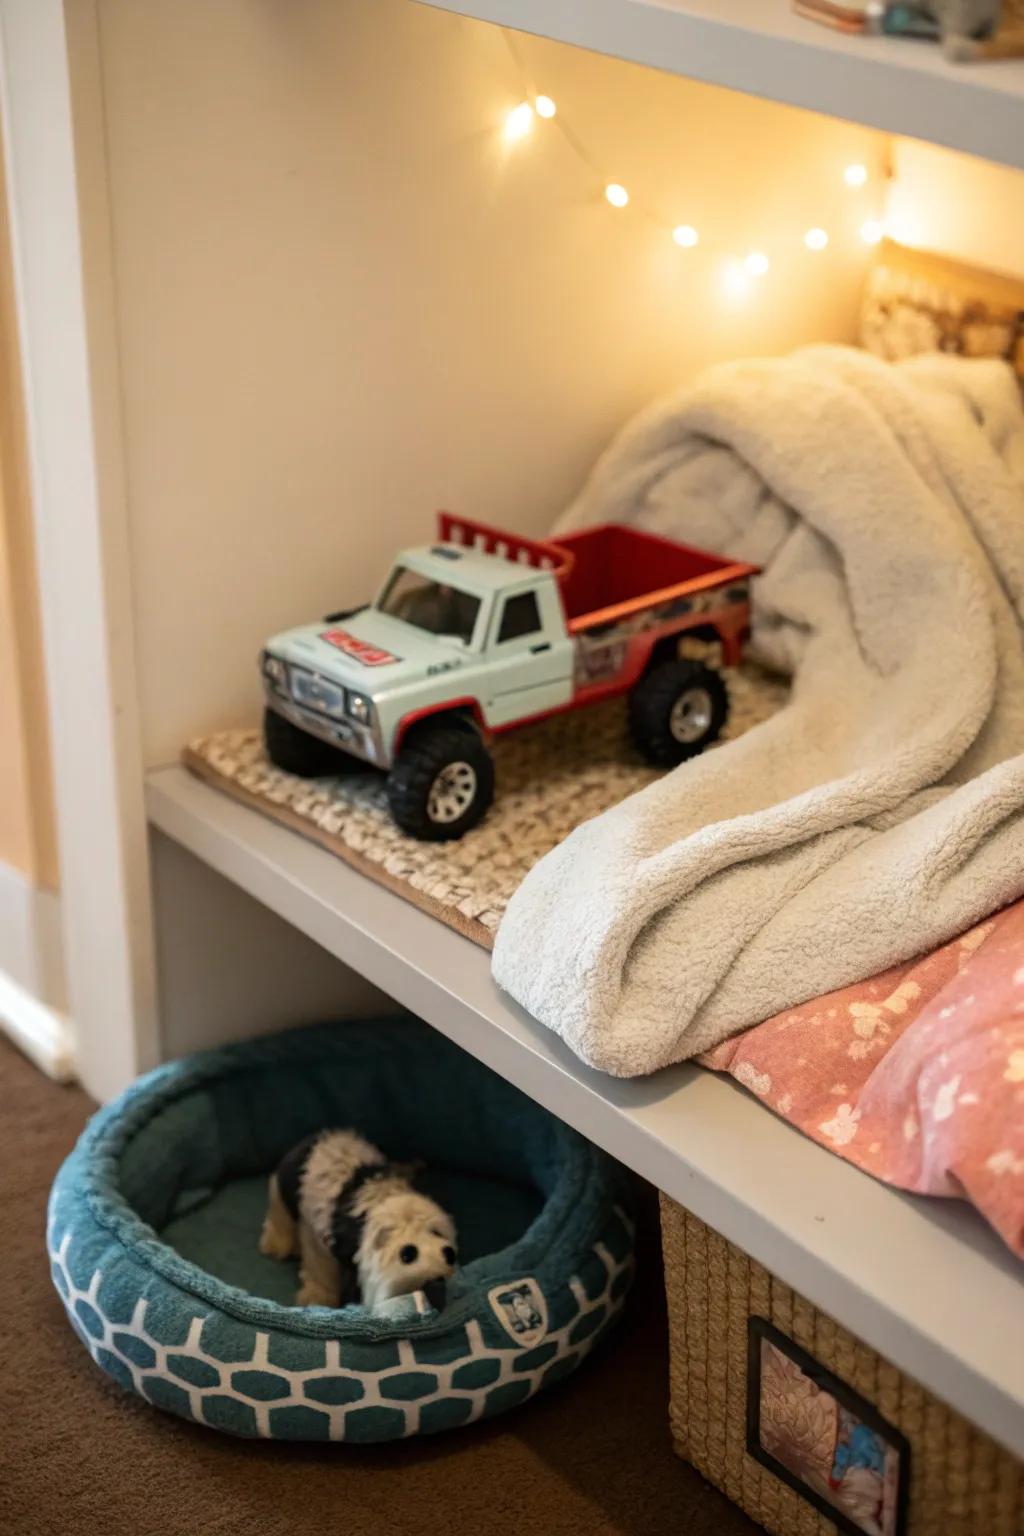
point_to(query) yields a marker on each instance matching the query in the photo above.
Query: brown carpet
(80, 1457)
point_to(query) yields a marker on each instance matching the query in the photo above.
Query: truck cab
(450, 628)
(503, 620)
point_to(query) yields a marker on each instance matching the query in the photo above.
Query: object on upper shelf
(485, 631)
(968, 29)
(841, 15)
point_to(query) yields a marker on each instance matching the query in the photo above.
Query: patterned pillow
(915, 302)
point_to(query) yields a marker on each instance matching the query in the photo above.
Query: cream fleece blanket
(879, 813)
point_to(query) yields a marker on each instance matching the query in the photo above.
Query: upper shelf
(762, 47)
(925, 1282)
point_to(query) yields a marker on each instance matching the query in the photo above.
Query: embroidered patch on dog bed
(521, 1310)
(550, 777)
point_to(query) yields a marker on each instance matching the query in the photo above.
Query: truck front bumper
(357, 740)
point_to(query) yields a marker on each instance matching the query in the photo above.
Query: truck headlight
(360, 708)
(275, 672)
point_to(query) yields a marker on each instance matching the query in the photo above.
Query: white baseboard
(31, 947)
(42, 1033)
(32, 990)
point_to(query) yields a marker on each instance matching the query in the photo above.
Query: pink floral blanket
(917, 1075)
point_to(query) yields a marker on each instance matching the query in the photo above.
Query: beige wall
(342, 302)
(957, 206)
(27, 842)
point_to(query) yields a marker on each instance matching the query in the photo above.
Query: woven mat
(550, 777)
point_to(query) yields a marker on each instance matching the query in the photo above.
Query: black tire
(676, 710)
(295, 751)
(422, 807)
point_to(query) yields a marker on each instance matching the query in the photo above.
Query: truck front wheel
(676, 710)
(296, 751)
(442, 783)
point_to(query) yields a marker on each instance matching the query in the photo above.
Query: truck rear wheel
(676, 710)
(295, 751)
(442, 782)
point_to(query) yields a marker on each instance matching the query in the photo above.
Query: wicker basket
(960, 1482)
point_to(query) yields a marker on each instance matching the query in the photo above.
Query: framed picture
(823, 1439)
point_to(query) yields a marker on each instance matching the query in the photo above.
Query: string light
(735, 272)
(519, 122)
(735, 279)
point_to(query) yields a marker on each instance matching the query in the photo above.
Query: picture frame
(822, 1439)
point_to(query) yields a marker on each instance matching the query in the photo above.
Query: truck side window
(521, 617)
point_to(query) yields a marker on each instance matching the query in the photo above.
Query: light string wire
(519, 122)
(579, 149)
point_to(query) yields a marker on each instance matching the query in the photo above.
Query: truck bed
(616, 570)
(605, 573)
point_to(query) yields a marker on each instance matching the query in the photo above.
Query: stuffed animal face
(408, 1242)
(362, 1231)
(965, 18)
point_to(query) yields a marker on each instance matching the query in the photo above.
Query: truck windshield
(441, 610)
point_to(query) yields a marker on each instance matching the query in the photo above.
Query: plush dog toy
(964, 24)
(362, 1232)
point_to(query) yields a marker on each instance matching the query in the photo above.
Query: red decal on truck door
(359, 650)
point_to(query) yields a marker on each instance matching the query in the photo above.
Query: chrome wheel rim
(452, 793)
(691, 716)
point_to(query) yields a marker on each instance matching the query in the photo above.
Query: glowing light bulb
(757, 264)
(519, 121)
(616, 194)
(544, 106)
(685, 235)
(871, 231)
(735, 280)
(855, 175)
(816, 239)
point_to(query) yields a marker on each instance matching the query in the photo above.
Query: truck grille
(317, 693)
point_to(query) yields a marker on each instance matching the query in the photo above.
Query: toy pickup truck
(485, 631)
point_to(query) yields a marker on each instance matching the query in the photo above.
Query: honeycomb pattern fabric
(255, 1383)
(550, 777)
(517, 1320)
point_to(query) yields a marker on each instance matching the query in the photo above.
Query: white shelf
(763, 48)
(925, 1282)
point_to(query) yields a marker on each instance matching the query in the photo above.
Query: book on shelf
(998, 32)
(848, 16)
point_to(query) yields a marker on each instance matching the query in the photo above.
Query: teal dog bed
(155, 1216)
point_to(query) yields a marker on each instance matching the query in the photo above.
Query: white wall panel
(343, 302)
(229, 968)
(958, 206)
